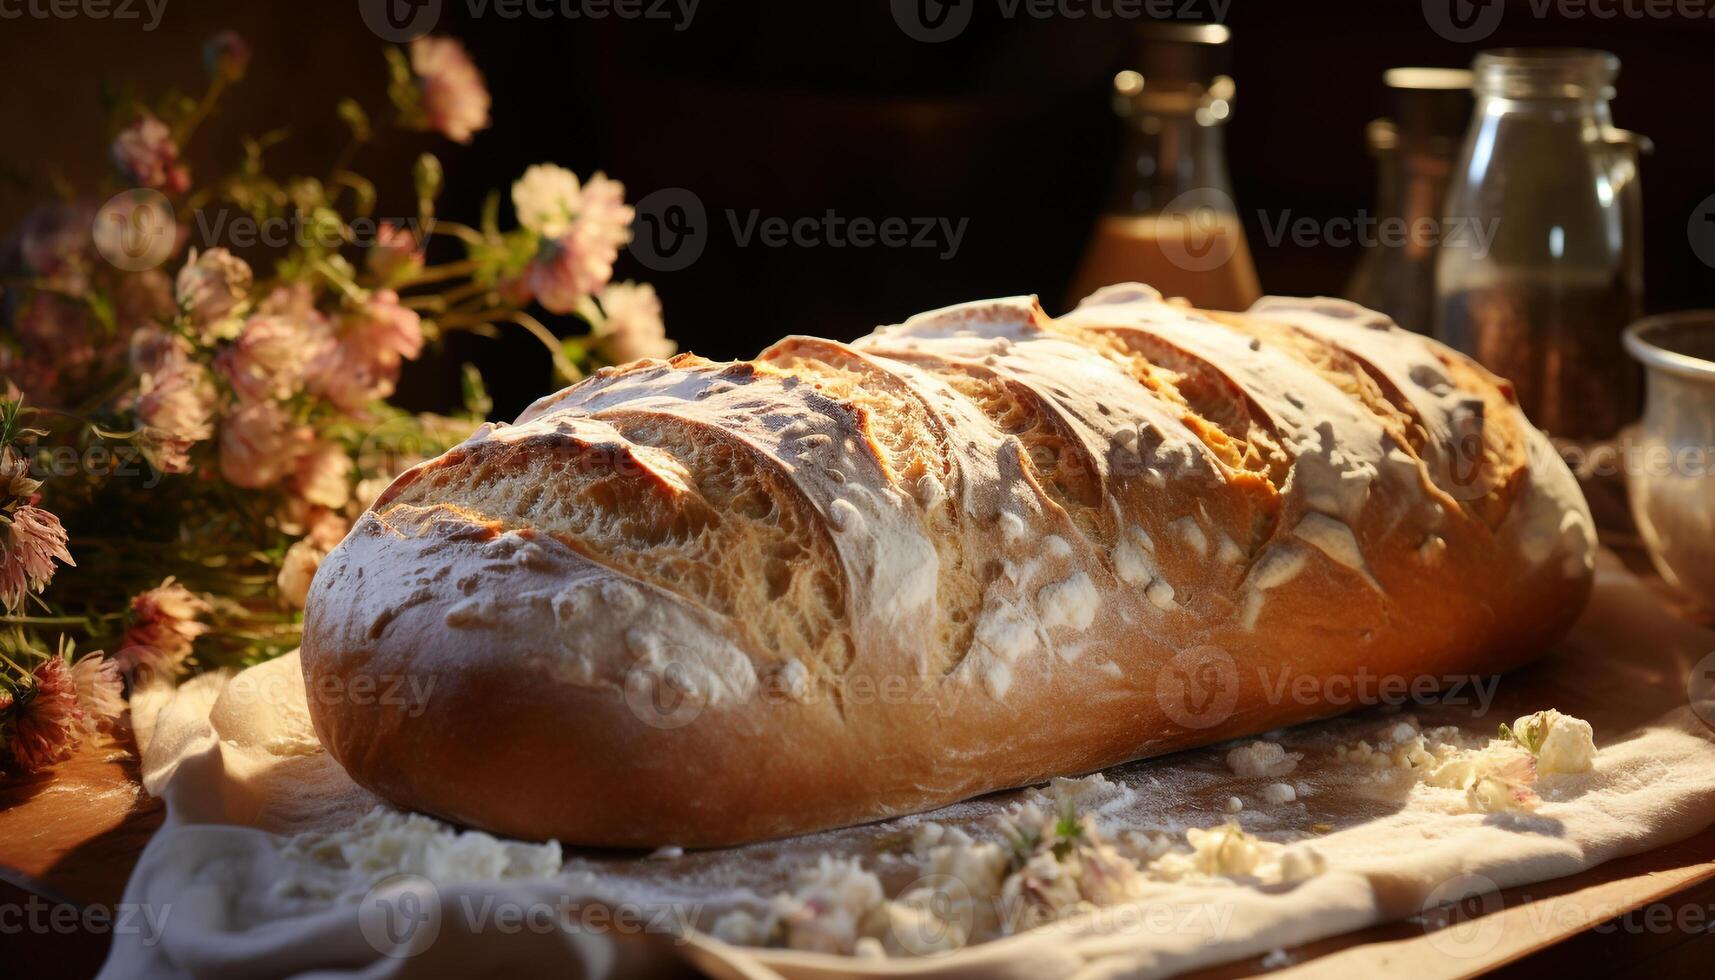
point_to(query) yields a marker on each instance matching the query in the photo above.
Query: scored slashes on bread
(701, 603)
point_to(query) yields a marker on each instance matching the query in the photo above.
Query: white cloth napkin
(242, 772)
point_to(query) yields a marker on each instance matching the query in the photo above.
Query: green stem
(14, 664)
(343, 160)
(203, 107)
(562, 366)
(46, 620)
(453, 296)
(440, 273)
(458, 321)
(352, 290)
(461, 231)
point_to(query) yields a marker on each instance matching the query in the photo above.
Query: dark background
(793, 107)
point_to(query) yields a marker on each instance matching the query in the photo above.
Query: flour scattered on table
(343, 865)
(1001, 865)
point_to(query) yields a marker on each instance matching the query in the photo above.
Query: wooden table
(69, 837)
(72, 837)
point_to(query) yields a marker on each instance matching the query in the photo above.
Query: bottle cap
(1179, 67)
(1428, 110)
(1176, 54)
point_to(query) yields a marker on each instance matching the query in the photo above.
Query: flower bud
(429, 176)
(226, 56)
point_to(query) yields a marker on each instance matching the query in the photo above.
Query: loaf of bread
(703, 603)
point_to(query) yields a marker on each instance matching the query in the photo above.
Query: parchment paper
(241, 771)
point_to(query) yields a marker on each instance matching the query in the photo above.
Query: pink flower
(15, 479)
(45, 726)
(454, 96)
(395, 254)
(366, 492)
(344, 375)
(260, 443)
(320, 526)
(226, 56)
(631, 326)
(100, 691)
(362, 364)
(297, 571)
(515, 289)
(327, 529)
(154, 348)
(271, 356)
(212, 289)
(163, 627)
(603, 213)
(323, 477)
(30, 540)
(563, 275)
(146, 156)
(176, 406)
(546, 198)
(578, 261)
(54, 241)
(295, 300)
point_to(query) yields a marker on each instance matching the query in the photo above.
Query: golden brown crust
(693, 603)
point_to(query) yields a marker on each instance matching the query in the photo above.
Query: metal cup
(1672, 481)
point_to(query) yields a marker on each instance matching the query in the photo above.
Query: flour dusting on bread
(966, 552)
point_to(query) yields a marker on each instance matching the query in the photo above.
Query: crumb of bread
(1050, 861)
(346, 863)
(1227, 851)
(1262, 759)
(1402, 746)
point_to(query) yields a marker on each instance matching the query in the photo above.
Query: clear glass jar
(1414, 149)
(1171, 221)
(1540, 267)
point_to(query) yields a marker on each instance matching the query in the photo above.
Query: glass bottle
(1414, 149)
(1540, 267)
(1171, 221)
